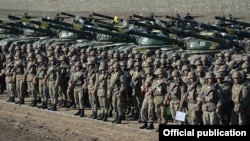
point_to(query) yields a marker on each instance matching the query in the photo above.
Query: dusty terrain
(24, 123)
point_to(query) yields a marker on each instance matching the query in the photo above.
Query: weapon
(203, 96)
(189, 90)
(245, 24)
(152, 88)
(167, 96)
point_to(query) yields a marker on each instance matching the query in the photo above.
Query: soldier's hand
(207, 98)
(217, 110)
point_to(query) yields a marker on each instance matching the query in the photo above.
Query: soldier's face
(246, 69)
(191, 80)
(160, 75)
(219, 80)
(175, 78)
(237, 80)
(210, 80)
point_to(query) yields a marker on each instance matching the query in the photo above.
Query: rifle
(167, 96)
(152, 88)
(189, 90)
(203, 96)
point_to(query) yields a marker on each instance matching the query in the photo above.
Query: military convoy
(180, 35)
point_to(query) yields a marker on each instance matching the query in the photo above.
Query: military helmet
(223, 68)
(74, 58)
(191, 74)
(123, 63)
(62, 58)
(49, 54)
(138, 56)
(157, 62)
(236, 74)
(245, 65)
(52, 58)
(175, 73)
(232, 64)
(159, 71)
(37, 51)
(66, 49)
(116, 55)
(91, 62)
(148, 70)
(78, 64)
(116, 65)
(104, 53)
(204, 58)
(174, 55)
(9, 56)
(164, 56)
(40, 59)
(158, 51)
(163, 61)
(218, 75)
(198, 63)
(179, 63)
(31, 55)
(246, 58)
(220, 54)
(185, 68)
(17, 48)
(210, 75)
(135, 51)
(228, 54)
(130, 55)
(137, 64)
(102, 67)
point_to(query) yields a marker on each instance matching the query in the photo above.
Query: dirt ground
(24, 123)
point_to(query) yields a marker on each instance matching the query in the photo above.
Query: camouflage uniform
(77, 81)
(53, 78)
(116, 90)
(101, 88)
(19, 66)
(240, 98)
(9, 79)
(211, 99)
(29, 75)
(41, 72)
(147, 110)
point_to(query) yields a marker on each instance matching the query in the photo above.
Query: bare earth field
(24, 123)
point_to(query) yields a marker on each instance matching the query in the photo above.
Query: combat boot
(61, 103)
(34, 103)
(115, 118)
(9, 99)
(105, 117)
(70, 105)
(150, 125)
(21, 101)
(41, 105)
(12, 99)
(18, 102)
(45, 106)
(54, 108)
(94, 116)
(39, 100)
(144, 125)
(64, 104)
(100, 117)
(81, 113)
(119, 120)
(78, 112)
(91, 115)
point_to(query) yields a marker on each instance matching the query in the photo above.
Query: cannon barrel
(103, 16)
(245, 24)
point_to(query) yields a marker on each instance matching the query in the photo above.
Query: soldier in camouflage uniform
(193, 90)
(53, 78)
(227, 105)
(210, 100)
(176, 91)
(116, 91)
(29, 76)
(240, 98)
(101, 89)
(19, 66)
(147, 110)
(91, 77)
(9, 78)
(41, 72)
(77, 81)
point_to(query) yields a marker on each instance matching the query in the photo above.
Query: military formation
(129, 84)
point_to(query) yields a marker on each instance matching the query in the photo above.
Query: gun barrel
(103, 16)
(233, 21)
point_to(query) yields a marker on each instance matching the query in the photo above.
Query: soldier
(176, 91)
(193, 90)
(29, 75)
(64, 70)
(147, 110)
(77, 81)
(116, 91)
(227, 105)
(240, 98)
(9, 78)
(210, 100)
(19, 66)
(246, 68)
(90, 81)
(136, 82)
(41, 72)
(200, 71)
(101, 88)
(53, 78)
(184, 74)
